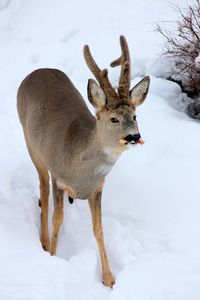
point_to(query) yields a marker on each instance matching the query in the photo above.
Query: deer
(74, 148)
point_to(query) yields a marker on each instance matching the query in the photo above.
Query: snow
(150, 202)
(197, 61)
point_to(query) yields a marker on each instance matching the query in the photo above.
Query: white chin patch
(132, 145)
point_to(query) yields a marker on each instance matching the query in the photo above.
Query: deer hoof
(39, 202)
(108, 280)
(45, 245)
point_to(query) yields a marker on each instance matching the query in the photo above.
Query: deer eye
(134, 118)
(114, 120)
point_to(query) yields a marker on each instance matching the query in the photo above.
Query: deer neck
(99, 152)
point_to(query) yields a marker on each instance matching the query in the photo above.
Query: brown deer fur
(78, 150)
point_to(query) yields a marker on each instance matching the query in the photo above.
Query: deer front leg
(57, 215)
(95, 207)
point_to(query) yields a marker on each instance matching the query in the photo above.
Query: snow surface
(151, 202)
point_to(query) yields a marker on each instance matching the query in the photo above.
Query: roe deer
(78, 150)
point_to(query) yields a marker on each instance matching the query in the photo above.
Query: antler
(125, 76)
(102, 78)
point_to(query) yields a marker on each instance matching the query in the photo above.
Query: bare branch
(182, 46)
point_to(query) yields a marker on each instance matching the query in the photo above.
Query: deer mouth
(131, 140)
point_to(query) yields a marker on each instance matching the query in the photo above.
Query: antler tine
(100, 75)
(125, 62)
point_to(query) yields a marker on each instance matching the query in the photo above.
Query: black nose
(136, 137)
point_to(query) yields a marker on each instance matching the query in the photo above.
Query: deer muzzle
(132, 139)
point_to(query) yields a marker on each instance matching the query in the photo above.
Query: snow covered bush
(182, 47)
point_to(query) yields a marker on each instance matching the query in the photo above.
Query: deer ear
(96, 95)
(139, 92)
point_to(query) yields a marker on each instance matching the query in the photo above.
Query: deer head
(116, 110)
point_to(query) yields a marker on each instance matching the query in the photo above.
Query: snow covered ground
(151, 203)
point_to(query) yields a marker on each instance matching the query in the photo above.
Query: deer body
(62, 132)
(78, 150)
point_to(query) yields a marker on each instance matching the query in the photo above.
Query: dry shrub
(182, 46)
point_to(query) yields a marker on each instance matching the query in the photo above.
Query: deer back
(56, 121)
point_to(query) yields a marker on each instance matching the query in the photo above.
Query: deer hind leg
(44, 198)
(44, 203)
(57, 215)
(95, 207)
